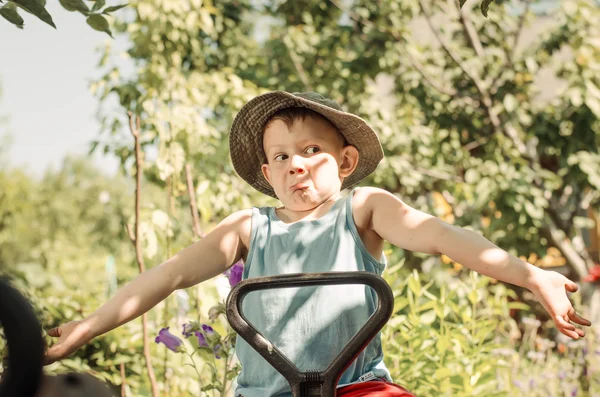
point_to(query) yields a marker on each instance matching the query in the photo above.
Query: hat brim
(245, 139)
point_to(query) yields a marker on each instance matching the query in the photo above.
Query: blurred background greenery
(489, 123)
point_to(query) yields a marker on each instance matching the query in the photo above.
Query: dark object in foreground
(24, 376)
(311, 383)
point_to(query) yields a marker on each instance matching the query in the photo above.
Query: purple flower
(207, 332)
(518, 384)
(171, 341)
(201, 339)
(574, 392)
(234, 273)
(216, 351)
(187, 330)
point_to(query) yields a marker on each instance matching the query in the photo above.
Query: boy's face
(306, 163)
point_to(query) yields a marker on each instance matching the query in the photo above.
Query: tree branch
(475, 79)
(470, 31)
(589, 197)
(193, 208)
(298, 65)
(512, 52)
(414, 62)
(130, 232)
(558, 238)
(135, 131)
(123, 380)
(519, 30)
(486, 98)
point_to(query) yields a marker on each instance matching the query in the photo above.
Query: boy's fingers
(570, 334)
(567, 328)
(578, 319)
(53, 354)
(563, 325)
(48, 359)
(571, 286)
(55, 332)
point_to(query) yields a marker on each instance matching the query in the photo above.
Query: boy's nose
(297, 165)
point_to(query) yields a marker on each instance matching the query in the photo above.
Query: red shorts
(373, 389)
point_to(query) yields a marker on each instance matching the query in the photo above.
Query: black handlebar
(24, 376)
(23, 335)
(310, 383)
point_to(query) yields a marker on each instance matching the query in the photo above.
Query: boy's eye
(280, 157)
(313, 149)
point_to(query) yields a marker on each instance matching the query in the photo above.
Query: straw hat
(245, 138)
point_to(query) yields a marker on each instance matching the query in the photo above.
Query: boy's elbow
(441, 236)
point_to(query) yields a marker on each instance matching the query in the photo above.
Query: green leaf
(110, 9)
(12, 16)
(593, 104)
(99, 23)
(34, 7)
(75, 5)
(414, 286)
(473, 297)
(510, 103)
(428, 317)
(98, 5)
(441, 373)
(485, 5)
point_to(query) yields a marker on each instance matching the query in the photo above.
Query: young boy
(304, 150)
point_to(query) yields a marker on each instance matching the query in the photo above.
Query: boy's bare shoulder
(363, 204)
(367, 196)
(364, 201)
(242, 222)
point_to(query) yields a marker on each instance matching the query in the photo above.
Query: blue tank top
(310, 325)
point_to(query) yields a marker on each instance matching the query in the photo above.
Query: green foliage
(444, 334)
(95, 15)
(454, 336)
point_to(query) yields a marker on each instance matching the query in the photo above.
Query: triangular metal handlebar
(310, 383)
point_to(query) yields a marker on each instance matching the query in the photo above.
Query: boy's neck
(287, 215)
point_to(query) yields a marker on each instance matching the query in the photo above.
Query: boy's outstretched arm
(205, 259)
(408, 228)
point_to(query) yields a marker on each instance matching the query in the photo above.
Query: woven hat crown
(318, 98)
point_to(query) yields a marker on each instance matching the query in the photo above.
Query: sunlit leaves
(75, 5)
(99, 23)
(485, 5)
(38, 8)
(10, 13)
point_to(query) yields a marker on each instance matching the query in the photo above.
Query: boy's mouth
(298, 186)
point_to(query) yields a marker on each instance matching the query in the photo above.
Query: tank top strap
(260, 224)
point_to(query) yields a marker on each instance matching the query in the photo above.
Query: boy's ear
(266, 172)
(349, 160)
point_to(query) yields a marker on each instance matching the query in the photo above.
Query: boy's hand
(71, 336)
(551, 288)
